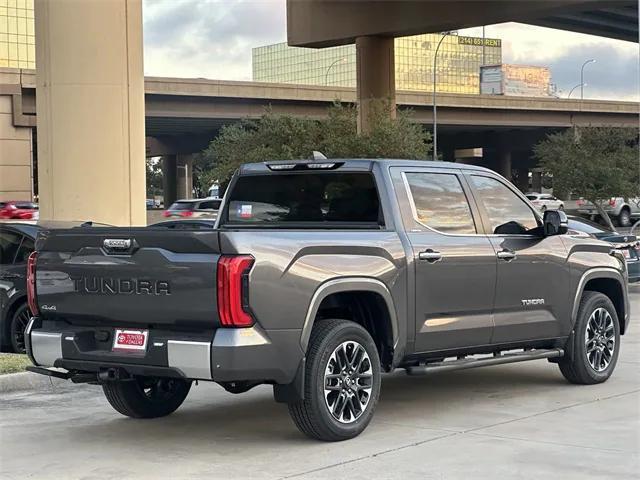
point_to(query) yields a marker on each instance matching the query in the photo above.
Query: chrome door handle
(506, 255)
(430, 256)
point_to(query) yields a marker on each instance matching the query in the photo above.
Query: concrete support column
(169, 180)
(522, 179)
(504, 163)
(90, 103)
(536, 180)
(184, 176)
(376, 76)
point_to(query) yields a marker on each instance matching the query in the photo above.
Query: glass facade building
(17, 34)
(458, 65)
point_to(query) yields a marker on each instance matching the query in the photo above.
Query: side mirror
(555, 222)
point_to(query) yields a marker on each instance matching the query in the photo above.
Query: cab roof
(350, 164)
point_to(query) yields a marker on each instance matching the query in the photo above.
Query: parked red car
(18, 210)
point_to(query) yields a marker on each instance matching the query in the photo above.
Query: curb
(28, 381)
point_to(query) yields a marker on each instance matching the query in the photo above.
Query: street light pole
(435, 118)
(582, 84)
(579, 85)
(326, 75)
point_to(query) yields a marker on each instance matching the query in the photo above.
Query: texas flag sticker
(244, 211)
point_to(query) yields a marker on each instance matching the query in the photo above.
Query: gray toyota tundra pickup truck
(319, 277)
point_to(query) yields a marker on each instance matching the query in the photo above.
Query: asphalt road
(511, 421)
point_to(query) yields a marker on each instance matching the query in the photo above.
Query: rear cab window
(335, 199)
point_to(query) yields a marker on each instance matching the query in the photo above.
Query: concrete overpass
(183, 115)
(372, 26)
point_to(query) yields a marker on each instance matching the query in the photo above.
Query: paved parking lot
(509, 421)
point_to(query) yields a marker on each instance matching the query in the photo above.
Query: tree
(283, 137)
(596, 163)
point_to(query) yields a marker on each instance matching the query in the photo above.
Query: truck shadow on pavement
(434, 401)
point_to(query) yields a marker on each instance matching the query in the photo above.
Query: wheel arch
(363, 296)
(609, 282)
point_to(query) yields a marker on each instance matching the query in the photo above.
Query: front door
(454, 264)
(531, 290)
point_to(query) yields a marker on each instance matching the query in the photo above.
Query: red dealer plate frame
(129, 340)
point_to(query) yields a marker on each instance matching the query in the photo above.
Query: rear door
(532, 297)
(455, 264)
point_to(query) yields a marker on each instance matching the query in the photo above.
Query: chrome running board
(463, 363)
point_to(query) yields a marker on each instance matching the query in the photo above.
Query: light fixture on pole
(582, 84)
(435, 118)
(335, 62)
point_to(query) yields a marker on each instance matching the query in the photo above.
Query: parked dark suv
(16, 244)
(319, 276)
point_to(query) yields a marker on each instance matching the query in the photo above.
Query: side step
(464, 363)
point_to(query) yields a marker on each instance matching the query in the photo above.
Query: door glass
(440, 203)
(24, 251)
(508, 213)
(9, 244)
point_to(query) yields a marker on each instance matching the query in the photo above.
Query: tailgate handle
(119, 245)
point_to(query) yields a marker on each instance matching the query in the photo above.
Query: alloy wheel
(348, 380)
(600, 339)
(20, 322)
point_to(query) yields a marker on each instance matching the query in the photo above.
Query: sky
(213, 39)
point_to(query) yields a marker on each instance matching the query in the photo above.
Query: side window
(440, 203)
(9, 244)
(26, 247)
(508, 213)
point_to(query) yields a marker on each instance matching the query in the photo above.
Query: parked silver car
(620, 209)
(545, 201)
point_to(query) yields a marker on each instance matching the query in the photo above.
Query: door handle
(506, 255)
(430, 256)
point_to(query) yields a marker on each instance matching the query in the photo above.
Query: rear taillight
(580, 202)
(187, 213)
(31, 283)
(233, 290)
(612, 202)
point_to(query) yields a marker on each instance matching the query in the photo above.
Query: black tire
(17, 325)
(543, 209)
(313, 416)
(577, 367)
(624, 219)
(561, 207)
(145, 397)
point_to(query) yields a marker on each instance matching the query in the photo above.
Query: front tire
(145, 397)
(595, 343)
(342, 382)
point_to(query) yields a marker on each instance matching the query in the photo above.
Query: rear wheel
(596, 341)
(145, 397)
(624, 219)
(342, 382)
(19, 321)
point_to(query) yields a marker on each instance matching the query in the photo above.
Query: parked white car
(545, 201)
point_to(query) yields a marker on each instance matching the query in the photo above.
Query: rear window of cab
(318, 199)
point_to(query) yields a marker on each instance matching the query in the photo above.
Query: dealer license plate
(130, 340)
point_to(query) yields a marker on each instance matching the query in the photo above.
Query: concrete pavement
(512, 421)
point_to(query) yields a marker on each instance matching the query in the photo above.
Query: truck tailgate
(129, 277)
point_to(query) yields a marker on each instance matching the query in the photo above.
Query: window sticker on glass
(245, 211)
